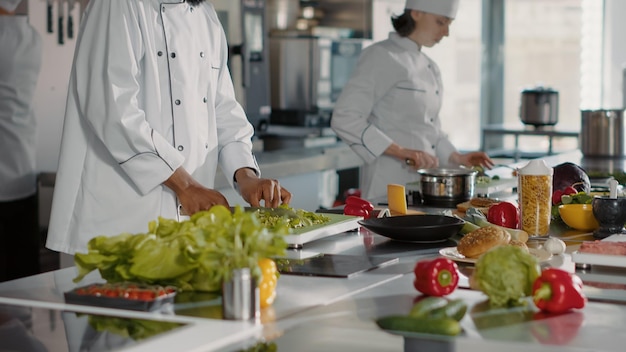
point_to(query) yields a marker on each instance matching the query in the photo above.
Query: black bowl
(425, 228)
(611, 215)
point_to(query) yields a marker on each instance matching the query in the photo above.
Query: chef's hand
(254, 189)
(415, 158)
(193, 196)
(472, 159)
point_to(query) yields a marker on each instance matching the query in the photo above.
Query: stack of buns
(479, 241)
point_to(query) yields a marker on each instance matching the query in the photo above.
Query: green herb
(296, 218)
(196, 254)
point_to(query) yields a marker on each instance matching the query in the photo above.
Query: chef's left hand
(472, 159)
(254, 189)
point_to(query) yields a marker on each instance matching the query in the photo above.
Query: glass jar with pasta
(535, 197)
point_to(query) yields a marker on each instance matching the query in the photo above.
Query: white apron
(149, 92)
(20, 63)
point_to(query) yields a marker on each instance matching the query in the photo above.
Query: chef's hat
(9, 5)
(438, 7)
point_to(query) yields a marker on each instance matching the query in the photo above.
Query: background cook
(20, 63)
(388, 112)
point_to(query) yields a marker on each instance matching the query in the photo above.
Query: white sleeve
(234, 131)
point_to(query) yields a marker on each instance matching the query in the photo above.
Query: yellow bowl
(578, 216)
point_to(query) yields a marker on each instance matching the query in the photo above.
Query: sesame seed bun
(519, 244)
(477, 242)
(480, 203)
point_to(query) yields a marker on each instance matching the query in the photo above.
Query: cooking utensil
(602, 133)
(427, 228)
(613, 188)
(539, 106)
(446, 187)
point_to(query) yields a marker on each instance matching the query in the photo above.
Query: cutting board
(495, 186)
(338, 223)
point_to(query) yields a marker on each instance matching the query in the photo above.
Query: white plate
(602, 259)
(452, 253)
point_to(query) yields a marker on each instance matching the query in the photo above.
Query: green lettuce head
(506, 275)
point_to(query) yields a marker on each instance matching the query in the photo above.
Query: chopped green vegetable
(296, 218)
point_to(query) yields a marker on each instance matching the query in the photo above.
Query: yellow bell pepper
(269, 279)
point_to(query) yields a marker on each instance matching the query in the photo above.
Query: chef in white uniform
(20, 63)
(150, 115)
(388, 112)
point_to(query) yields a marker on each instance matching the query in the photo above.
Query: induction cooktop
(332, 265)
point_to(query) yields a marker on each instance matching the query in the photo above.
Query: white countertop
(330, 314)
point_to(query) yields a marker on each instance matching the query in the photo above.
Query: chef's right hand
(193, 196)
(416, 159)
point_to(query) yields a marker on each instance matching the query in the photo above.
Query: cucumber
(455, 309)
(468, 227)
(427, 304)
(442, 326)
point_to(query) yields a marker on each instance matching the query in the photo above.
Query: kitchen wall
(52, 85)
(615, 55)
(52, 88)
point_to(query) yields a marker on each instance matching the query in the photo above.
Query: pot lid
(540, 90)
(447, 172)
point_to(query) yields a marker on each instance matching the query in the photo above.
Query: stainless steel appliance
(308, 74)
(246, 32)
(539, 106)
(602, 133)
(445, 187)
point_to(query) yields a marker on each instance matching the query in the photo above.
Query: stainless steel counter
(322, 313)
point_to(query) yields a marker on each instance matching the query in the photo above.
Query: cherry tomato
(570, 190)
(556, 197)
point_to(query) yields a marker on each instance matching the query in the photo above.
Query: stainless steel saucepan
(446, 187)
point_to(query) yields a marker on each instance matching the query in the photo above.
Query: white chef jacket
(149, 92)
(394, 95)
(20, 63)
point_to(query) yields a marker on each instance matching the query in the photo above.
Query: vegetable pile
(429, 315)
(296, 218)
(196, 254)
(558, 291)
(356, 206)
(504, 214)
(437, 277)
(569, 196)
(506, 275)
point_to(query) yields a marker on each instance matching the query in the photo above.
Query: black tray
(75, 297)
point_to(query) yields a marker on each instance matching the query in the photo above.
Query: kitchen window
(497, 48)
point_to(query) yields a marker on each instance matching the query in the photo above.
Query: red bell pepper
(504, 214)
(437, 277)
(358, 207)
(558, 291)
